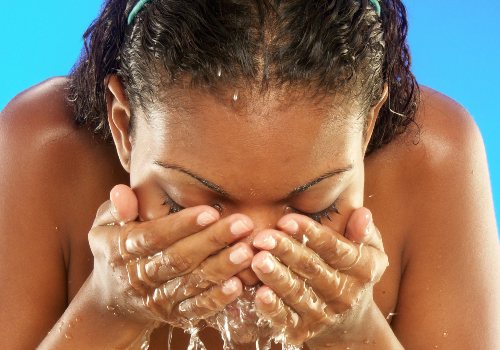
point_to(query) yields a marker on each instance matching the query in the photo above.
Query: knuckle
(217, 240)
(177, 263)
(149, 241)
(214, 272)
(312, 229)
(311, 267)
(209, 303)
(327, 246)
(295, 291)
(103, 208)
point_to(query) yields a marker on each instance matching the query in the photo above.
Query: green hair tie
(377, 7)
(140, 4)
(138, 7)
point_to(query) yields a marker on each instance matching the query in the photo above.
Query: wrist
(374, 332)
(87, 323)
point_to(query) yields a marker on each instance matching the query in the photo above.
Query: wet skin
(400, 173)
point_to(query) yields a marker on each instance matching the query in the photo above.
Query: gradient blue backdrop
(455, 47)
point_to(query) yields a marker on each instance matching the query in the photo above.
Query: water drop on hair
(235, 96)
(219, 72)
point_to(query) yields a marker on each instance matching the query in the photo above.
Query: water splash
(195, 342)
(170, 334)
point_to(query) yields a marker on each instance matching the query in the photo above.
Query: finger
(325, 280)
(171, 293)
(288, 286)
(361, 229)
(214, 270)
(279, 316)
(227, 263)
(363, 262)
(210, 302)
(185, 255)
(121, 207)
(151, 237)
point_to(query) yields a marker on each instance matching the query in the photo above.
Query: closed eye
(325, 213)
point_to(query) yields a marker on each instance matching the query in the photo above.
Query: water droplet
(219, 72)
(305, 239)
(61, 325)
(235, 96)
(436, 347)
(68, 336)
(112, 265)
(110, 308)
(122, 223)
(57, 228)
(445, 334)
(391, 314)
(77, 319)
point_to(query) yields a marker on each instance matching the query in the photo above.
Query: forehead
(266, 143)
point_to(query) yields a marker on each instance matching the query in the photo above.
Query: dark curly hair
(326, 45)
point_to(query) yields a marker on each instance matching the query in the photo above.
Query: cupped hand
(177, 269)
(317, 282)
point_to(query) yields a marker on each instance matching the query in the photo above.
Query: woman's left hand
(318, 284)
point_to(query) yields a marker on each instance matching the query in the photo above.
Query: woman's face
(260, 156)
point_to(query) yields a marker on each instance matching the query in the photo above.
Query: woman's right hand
(177, 269)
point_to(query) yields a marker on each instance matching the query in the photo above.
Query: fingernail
(229, 287)
(239, 227)
(267, 297)
(291, 226)
(205, 219)
(265, 242)
(267, 265)
(238, 256)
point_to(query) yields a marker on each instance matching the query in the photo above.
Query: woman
(291, 146)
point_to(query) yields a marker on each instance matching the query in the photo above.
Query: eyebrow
(218, 189)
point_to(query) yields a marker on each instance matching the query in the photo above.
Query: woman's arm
(449, 292)
(32, 261)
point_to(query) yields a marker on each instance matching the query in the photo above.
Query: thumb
(361, 229)
(124, 205)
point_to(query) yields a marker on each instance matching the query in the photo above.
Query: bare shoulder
(38, 128)
(450, 253)
(443, 153)
(441, 125)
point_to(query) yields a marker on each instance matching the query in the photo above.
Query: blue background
(455, 47)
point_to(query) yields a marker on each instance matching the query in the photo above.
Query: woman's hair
(326, 46)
